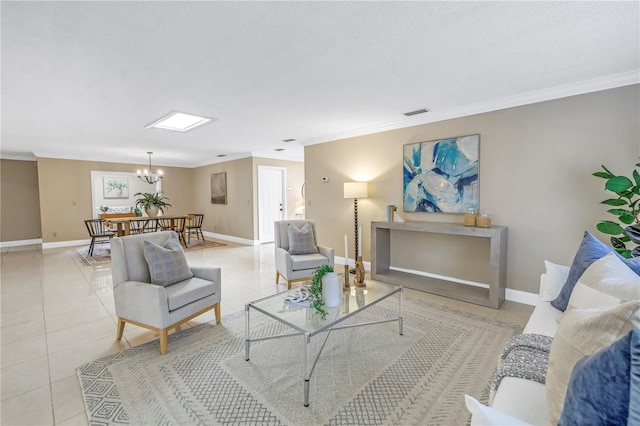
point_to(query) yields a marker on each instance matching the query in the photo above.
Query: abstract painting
(115, 187)
(441, 175)
(219, 188)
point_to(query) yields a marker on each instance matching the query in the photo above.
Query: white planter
(331, 290)
(152, 211)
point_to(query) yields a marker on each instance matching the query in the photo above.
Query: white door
(271, 200)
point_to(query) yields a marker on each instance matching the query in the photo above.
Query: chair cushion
(301, 240)
(167, 263)
(188, 291)
(307, 261)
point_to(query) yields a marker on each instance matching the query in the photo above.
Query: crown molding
(536, 96)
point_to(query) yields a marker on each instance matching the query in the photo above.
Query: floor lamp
(356, 190)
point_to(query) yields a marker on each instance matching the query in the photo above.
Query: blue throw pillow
(604, 388)
(590, 250)
(167, 263)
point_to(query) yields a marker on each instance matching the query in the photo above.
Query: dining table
(123, 224)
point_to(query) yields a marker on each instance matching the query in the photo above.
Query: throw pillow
(611, 276)
(485, 416)
(301, 240)
(580, 333)
(600, 387)
(585, 297)
(167, 263)
(555, 277)
(590, 250)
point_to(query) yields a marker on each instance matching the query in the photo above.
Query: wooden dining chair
(178, 225)
(195, 226)
(142, 226)
(98, 232)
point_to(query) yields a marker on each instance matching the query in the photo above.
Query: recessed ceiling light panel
(182, 122)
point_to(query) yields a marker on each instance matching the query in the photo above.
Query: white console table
(381, 262)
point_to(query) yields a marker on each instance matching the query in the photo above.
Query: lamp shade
(355, 190)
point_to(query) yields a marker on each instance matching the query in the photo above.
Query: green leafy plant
(626, 207)
(316, 289)
(114, 184)
(149, 200)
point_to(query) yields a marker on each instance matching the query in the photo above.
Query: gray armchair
(155, 307)
(298, 267)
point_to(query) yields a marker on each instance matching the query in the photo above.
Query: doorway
(272, 203)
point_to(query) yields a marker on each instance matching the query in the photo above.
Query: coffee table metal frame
(331, 323)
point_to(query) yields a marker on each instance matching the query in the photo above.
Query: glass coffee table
(306, 323)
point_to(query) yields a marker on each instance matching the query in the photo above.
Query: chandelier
(147, 176)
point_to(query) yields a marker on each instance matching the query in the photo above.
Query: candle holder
(346, 277)
(359, 279)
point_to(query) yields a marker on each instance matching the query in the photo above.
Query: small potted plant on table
(152, 203)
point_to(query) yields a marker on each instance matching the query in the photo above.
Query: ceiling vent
(279, 149)
(416, 112)
(288, 140)
(221, 155)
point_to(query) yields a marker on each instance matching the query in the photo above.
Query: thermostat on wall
(324, 179)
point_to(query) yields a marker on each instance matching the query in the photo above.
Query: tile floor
(58, 314)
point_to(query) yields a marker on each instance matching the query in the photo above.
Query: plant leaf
(607, 170)
(618, 184)
(626, 253)
(610, 228)
(617, 243)
(636, 177)
(619, 212)
(614, 202)
(602, 175)
(627, 218)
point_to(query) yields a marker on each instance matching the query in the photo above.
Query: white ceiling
(80, 80)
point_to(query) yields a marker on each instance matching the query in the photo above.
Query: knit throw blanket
(525, 356)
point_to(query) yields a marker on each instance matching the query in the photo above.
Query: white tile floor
(58, 314)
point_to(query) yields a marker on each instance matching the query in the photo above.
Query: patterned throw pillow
(301, 240)
(167, 263)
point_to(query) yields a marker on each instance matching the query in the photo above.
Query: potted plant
(626, 208)
(152, 203)
(325, 290)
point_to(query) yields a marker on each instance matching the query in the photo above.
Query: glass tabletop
(306, 320)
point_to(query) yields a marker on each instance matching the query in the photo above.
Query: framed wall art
(219, 188)
(441, 175)
(115, 187)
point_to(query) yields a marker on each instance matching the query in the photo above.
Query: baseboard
(72, 243)
(5, 244)
(231, 238)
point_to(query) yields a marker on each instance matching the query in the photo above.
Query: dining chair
(142, 226)
(195, 226)
(98, 232)
(175, 224)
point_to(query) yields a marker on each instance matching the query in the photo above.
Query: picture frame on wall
(115, 187)
(219, 188)
(441, 175)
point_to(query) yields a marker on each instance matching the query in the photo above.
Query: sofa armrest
(209, 273)
(141, 302)
(284, 262)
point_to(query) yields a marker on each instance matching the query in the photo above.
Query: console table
(382, 270)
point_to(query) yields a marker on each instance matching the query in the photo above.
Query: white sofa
(605, 286)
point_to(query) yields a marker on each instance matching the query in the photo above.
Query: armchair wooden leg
(277, 277)
(164, 341)
(288, 285)
(120, 328)
(216, 308)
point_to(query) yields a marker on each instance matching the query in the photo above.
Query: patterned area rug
(366, 375)
(102, 252)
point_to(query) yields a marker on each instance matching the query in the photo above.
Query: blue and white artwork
(442, 175)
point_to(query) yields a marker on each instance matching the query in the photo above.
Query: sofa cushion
(600, 386)
(590, 250)
(585, 297)
(167, 262)
(307, 261)
(543, 320)
(488, 416)
(554, 278)
(301, 240)
(188, 291)
(581, 333)
(610, 275)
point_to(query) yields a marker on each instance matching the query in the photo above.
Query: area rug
(102, 252)
(366, 375)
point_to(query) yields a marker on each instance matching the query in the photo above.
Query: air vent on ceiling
(416, 112)
(288, 140)
(221, 155)
(279, 149)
